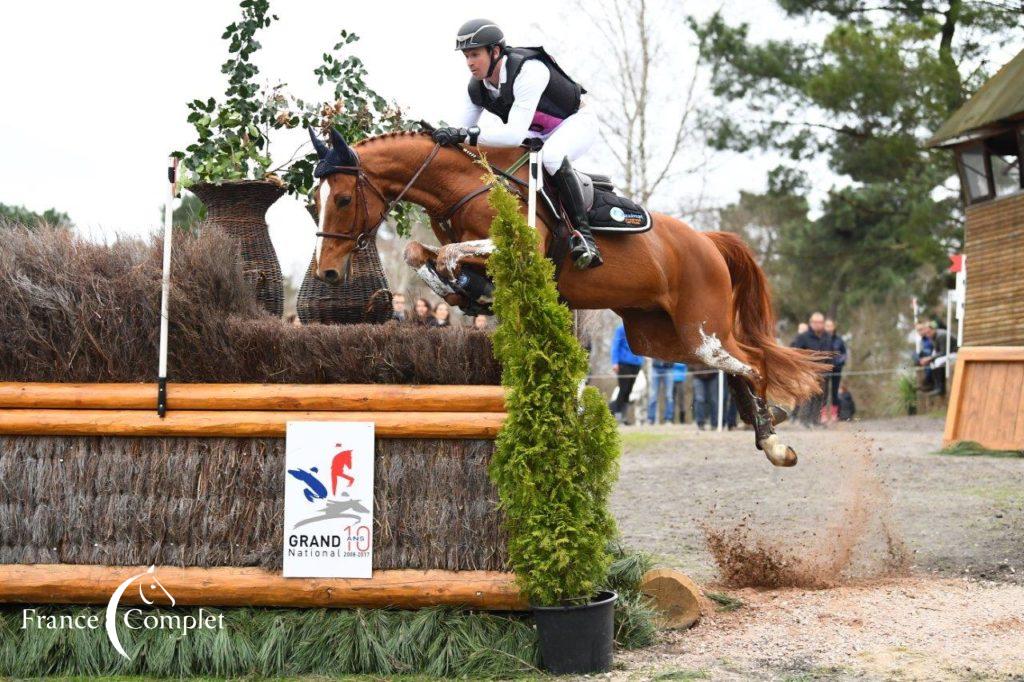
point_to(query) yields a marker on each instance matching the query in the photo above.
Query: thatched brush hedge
(75, 311)
(219, 502)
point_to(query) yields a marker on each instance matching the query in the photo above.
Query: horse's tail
(792, 374)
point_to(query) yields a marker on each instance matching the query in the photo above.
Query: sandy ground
(862, 495)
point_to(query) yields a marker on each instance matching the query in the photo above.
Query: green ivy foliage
(557, 455)
(232, 139)
(357, 111)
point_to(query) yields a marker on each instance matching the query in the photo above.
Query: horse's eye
(342, 201)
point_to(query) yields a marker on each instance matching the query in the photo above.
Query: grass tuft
(970, 448)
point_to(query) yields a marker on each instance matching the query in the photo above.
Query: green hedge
(557, 453)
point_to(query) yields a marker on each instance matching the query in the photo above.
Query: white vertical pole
(531, 209)
(961, 299)
(949, 330)
(721, 400)
(913, 325)
(165, 287)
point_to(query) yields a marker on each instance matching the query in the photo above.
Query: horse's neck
(451, 175)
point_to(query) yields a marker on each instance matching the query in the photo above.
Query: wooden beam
(298, 397)
(231, 586)
(240, 423)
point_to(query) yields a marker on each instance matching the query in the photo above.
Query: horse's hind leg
(748, 386)
(754, 410)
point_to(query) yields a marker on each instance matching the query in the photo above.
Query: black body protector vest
(559, 101)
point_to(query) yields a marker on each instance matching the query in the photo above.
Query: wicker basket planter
(239, 209)
(364, 298)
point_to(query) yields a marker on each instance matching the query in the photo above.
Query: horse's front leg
(451, 257)
(423, 258)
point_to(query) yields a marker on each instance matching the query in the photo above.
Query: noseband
(365, 234)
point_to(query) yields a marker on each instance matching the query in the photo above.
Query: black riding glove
(447, 136)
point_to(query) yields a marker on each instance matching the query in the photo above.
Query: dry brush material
(74, 311)
(217, 502)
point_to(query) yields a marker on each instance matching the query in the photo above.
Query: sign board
(328, 500)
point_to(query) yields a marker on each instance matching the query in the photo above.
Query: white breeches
(572, 138)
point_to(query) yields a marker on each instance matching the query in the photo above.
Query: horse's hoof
(779, 454)
(777, 414)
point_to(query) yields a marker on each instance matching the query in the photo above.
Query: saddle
(607, 211)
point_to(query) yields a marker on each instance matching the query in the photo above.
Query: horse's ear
(322, 150)
(342, 152)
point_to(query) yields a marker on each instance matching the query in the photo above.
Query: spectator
(730, 412)
(442, 315)
(398, 311)
(814, 339)
(661, 378)
(935, 364)
(800, 329)
(705, 396)
(626, 364)
(926, 349)
(423, 312)
(679, 388)
(847, 408)
(480, 322)
(838, 346)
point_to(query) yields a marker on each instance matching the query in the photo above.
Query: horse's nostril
(331, 275)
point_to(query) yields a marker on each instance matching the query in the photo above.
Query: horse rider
(533, 97)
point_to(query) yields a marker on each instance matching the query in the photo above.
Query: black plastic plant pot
(576, 640)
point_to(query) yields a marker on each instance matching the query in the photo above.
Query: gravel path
(953, 610)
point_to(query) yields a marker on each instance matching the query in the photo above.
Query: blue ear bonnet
(338, 158)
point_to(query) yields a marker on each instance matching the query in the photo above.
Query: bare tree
(648, 107)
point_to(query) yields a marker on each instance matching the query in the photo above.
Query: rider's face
(478, 60)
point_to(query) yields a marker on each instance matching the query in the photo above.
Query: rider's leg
(573, 138)
(569, 141)
(583, 248)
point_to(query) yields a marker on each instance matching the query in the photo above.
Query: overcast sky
(95, 92)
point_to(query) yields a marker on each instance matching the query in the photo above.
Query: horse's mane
(391, 135)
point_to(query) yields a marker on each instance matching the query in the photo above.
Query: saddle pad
(613, 213)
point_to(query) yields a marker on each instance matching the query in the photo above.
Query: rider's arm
(529, 86)
(469, 114)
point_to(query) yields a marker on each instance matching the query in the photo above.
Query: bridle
(366, 233)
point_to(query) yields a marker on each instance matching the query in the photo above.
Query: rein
(365, 234)
(362, 238)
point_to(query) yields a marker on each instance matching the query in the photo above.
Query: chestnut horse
(683, 295)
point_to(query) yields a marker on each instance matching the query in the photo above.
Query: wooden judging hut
(987, 136)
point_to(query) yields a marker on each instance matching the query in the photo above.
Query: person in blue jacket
(626, 364)
(661, 382)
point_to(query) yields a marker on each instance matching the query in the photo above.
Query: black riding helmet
(480, 33)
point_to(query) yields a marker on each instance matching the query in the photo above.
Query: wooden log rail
(231, 586)
(254, 410)
(248, 410)
(299, 397)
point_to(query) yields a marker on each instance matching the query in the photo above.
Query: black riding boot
(583, 248)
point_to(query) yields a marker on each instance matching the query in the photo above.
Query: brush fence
(95, 487)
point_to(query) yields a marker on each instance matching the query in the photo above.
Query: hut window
(1004, 162)
(1006, 174)
(975, 179)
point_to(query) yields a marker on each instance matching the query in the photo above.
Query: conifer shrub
(557, 454)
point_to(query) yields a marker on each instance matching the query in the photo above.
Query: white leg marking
(713, 355)
(455, 252)
(778, 453)
(436, 284)
(325, 194)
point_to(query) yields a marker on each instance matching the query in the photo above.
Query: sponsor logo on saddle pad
(328, 500)
(617, 214)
